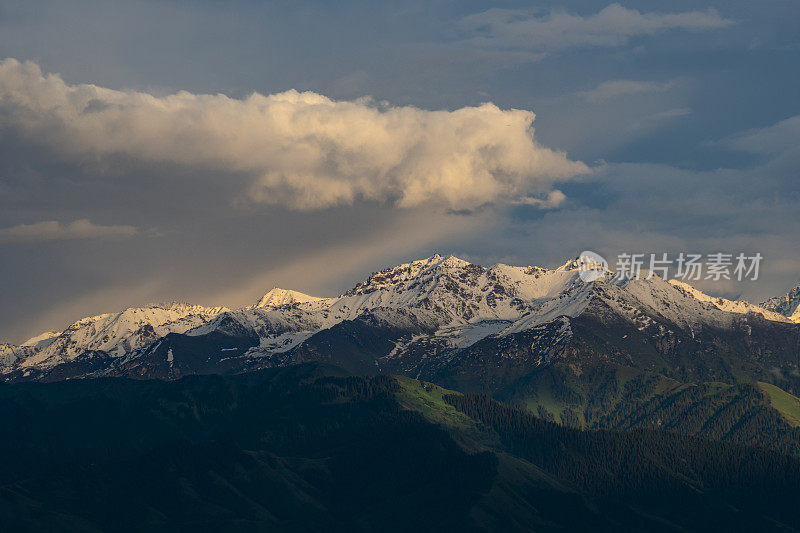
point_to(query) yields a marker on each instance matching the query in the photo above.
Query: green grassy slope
(618, 397)
(786, 404)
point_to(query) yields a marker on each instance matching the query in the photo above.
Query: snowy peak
(571, 264)
(277, 298)
(787, 305)
(43, 340)
(119, 333)
(11, 354)
(410, 275)
(730, 306)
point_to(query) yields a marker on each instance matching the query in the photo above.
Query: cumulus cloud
(298, 149)
(608, 90)
(53, 230)
(612, 26)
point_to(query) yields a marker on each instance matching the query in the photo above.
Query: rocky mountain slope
(787, 305)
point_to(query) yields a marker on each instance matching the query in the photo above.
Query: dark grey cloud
(53, 230)
(611, 89)
(781, 138)
(614, 25)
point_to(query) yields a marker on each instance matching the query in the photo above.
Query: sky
(208, 151)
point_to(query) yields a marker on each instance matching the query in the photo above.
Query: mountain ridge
(422, 308)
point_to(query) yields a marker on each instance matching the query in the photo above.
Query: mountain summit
(276, 298)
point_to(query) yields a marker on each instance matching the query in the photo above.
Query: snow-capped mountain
(787, 305)
(417, 318)
(10, 355)
(113, 334)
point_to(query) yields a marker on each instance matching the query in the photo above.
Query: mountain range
(608, 353)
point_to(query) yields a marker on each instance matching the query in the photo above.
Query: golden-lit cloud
(297, 149)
